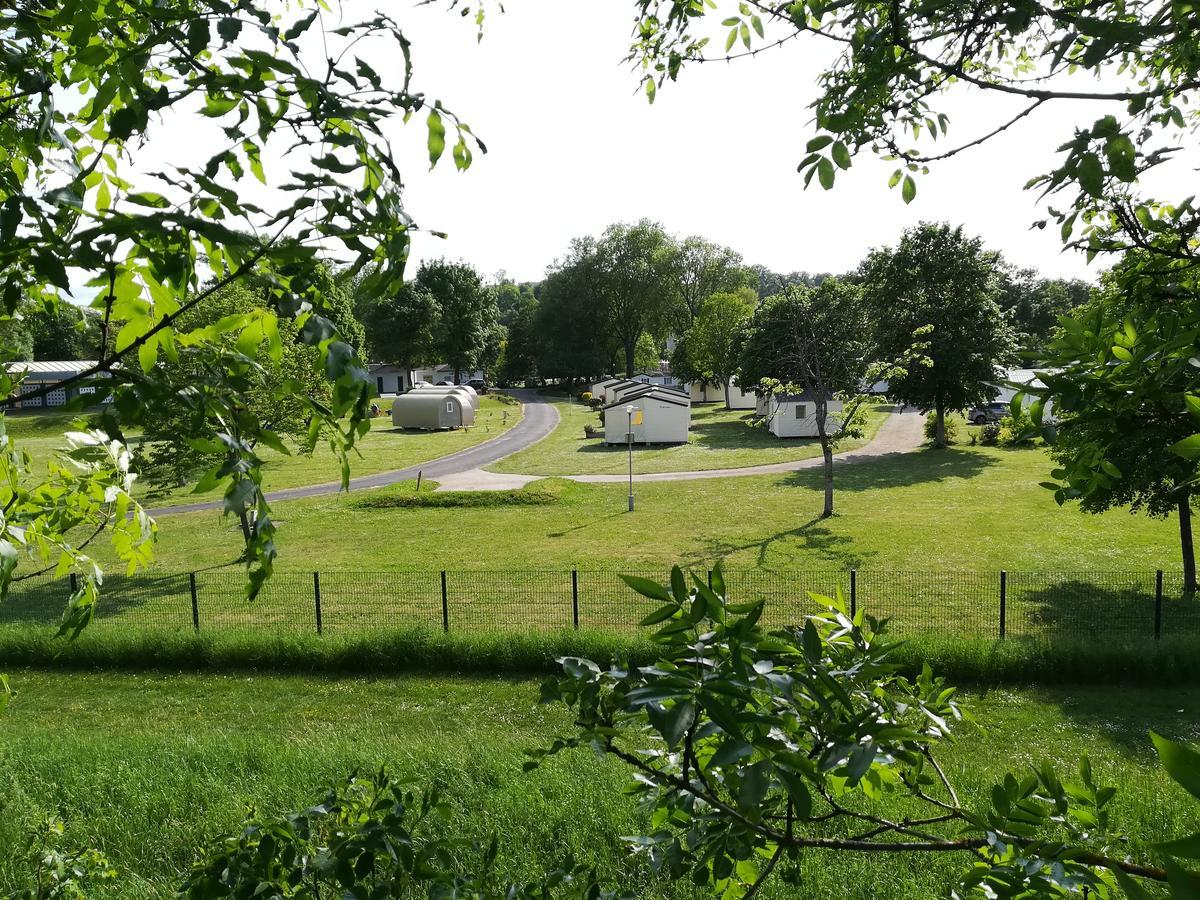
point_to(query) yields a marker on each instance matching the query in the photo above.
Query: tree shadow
(897, 470)
(583, 525)
(813, 538)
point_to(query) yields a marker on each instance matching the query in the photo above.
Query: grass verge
(428, 650)
(149, 766)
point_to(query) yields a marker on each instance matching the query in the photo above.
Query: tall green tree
(700, 268)
(938, 278)
(714, 341)
(520, 360)
(573, 342)
(403, 329)
(1035, 304)
(466, 314)
(1124, 390)
(629, 276)
(62, 331)
(814, 341)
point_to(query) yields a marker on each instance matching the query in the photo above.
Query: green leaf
(908, 190)
(660, 615)
(841, 155)
(1122, 354)
(1188, 448)
(811, 642)
(1188, 847)
(1185, 885)
(1182, 763)
(672, 722)
(648, 588)
(437, 136)
(817, 143)
(825, 173)
(1090, 174)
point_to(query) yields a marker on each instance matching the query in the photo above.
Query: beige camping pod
(463, 390)
(432, 410)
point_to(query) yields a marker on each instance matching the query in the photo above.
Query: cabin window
(449, 406)
(801, 410)
(379, 381)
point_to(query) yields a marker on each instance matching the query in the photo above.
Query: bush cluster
(455, 499)
(951, 428)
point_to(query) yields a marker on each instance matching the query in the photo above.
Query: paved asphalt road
(539, 420)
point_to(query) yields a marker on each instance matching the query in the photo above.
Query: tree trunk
(827, 455)
(728, 398)
(1185, 544)
(939, 434)
(457, 374)
(630, 350)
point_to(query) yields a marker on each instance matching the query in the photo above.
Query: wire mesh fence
(1076, 605)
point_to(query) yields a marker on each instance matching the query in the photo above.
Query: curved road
(901, 433)
(539, 420)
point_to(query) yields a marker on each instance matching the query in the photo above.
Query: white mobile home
(599, 386)
(390, 380)
(46, 375)
(655, 415)
(618, 389)
(739, 399)
(432, 410)
(706, 392)
(795, 415)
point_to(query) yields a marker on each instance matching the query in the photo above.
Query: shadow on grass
(813, 537)
(897, 470)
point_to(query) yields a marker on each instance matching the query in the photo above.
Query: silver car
(990, 412)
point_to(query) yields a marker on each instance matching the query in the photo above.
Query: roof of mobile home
(657, 392)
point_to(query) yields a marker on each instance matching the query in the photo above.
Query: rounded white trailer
(432, 410)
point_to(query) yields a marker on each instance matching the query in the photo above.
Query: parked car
(479, 385)
(991, 412)
(448, 383)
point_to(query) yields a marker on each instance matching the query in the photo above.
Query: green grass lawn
(382, 449)
(928, 532)
(961, 509)
(147, 767)
(719, 439)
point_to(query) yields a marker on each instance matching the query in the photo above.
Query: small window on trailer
(449, 406)
(379, 382)
(801, 410)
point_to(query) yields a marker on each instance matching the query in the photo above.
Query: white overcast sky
(573, 146)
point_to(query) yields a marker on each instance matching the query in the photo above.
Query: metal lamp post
(629, 441)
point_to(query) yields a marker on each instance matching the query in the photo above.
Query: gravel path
(539, 420)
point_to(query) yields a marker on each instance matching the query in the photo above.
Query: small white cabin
(739, 399)
(619, 389)
(706, 392)
(598, 387)
(665, 417)
(432, 410)
(795, 415)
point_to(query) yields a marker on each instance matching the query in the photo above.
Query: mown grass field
(147, 767)
(719, 439)
(382, 449)
(961, 509)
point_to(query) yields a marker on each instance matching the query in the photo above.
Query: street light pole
(629, 440)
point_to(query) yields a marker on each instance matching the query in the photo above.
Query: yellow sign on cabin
(637, 417)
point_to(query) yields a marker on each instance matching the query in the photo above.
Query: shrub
(455, 499)
(951, 428)
(1015, 430)
(586, 396)
(989, 434)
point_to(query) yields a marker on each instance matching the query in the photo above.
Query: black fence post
(575, 597)
(853, 593)
(1003, 602)
(317, 598)
(445, 605)
(195, 601)
(1158, 595)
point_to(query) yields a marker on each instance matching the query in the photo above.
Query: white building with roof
(45, 374)
(653, 415)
